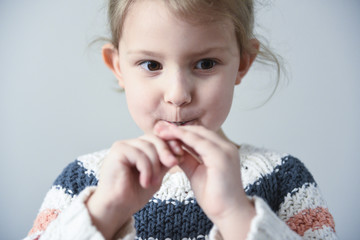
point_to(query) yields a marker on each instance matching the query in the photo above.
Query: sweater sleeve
(75, 223)
(288, 202)
(63, 213)
(265, 225)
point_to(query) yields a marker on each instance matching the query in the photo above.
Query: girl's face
(175, 71)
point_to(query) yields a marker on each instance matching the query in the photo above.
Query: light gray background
(58, 100)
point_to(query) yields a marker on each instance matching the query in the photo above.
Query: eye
(205, 64)
(151, 65)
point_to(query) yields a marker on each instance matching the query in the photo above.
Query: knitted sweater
(287, 200)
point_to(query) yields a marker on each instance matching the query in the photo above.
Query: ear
(246, 60)
(111, 58)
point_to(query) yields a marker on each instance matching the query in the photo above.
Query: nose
(178, 90)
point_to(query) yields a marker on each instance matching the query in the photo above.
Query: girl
(178, 63)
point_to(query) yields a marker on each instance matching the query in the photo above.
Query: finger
(166, 156)
(200, 146)
(174, 145)
(149, 149)
(176, 148)
(138, 159)
(215, 137)
(188, 164)
(217, 144)
(192, 152)
(159, 127)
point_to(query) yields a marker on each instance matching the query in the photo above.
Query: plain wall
(59, 101)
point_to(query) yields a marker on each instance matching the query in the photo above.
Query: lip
(182, 123)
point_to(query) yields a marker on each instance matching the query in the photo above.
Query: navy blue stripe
(285, 178)
(163, 220)
(74, 179)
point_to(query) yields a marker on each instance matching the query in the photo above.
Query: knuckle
(139, 153)
(116, 149)
(146, 143)
(117, 144)
(206, 143)
(186, 134)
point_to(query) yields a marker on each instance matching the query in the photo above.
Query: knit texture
(289, 204)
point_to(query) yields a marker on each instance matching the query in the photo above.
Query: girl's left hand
(216, 179)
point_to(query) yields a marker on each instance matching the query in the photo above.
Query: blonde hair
(240, 12)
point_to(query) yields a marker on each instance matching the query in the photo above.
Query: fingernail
(175, 147)
(178, 151)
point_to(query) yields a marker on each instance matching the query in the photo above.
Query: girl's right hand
(131, 173)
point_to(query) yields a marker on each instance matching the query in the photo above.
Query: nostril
(178, 89)
(178, 99)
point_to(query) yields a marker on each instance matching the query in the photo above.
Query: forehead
(193, 11)
(151, 22)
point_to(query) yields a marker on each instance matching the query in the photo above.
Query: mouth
(181, 123)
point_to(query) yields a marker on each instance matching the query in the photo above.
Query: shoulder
(76, 177)
(81, 173)
(272, 175)
(257, 162)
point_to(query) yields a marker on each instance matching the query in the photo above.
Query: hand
(131, 173)
(217, 180)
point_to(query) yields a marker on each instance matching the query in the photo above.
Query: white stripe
(56, 198)
(307, 197)
(259, 162)
(206, 237)
(256, 162)
(325, 233)
(92, 162)
(175, 186)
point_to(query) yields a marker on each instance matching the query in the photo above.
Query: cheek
(137, 102)
(142, 104)
(218, 104)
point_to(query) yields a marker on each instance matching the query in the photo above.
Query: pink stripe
(43, 219)
(314, 219)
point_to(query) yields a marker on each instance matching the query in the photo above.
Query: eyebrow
(195, 53)
(211, 49)
(143, 52)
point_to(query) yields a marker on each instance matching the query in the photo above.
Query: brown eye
(151, 65)
(205, 64)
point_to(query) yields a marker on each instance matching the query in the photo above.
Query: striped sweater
(288, 203)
